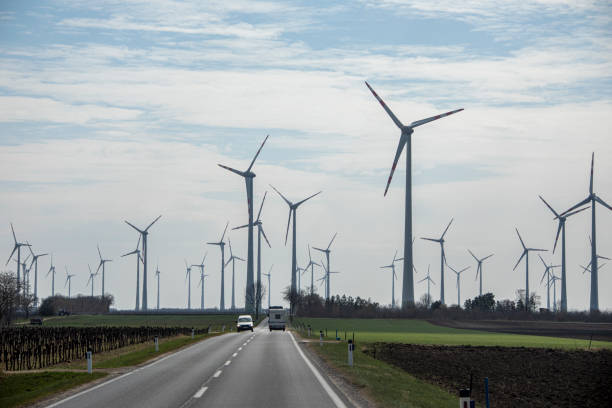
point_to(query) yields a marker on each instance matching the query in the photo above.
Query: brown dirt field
(526, 377)
(575, 330)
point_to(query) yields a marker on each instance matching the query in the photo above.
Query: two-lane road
(259, 369)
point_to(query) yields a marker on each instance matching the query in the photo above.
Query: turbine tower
(429, 281)
(91, 279)
(293, 211)
(526, 255)
(68, 280)
(144, 234)
(311, 265)
(442, 258)
(157, 273)
(35, 263)
(561, 229)
(52, 271)
(17, 248)
(548, 270)
(233, 260)
(458, 284)
(326, 280)
(269, 275)
(479, 268)
(188, 280)
(222, 247)
(260, 232)
(201, 266)
(102, 265)
(138, 261)
(248, 179)
(592, 199)
(326, 251)
(393, 277)
(406, 141)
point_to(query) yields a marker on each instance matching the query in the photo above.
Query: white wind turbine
(68, 280)
(157, 273)
(442, 258)
(393, 276)
(548, 270)
(201, 266)
(269, 275)
(188, 280)
(248, 179)
(406, 141)
(429, 281)
(479, 268)
(102, 265)
(327, 251)
(311, 265)
(233, 258)
(138, 261)
(221, 245)
(52, 272)
(35, 263)
(526, 255)
(458, 284)
(91, 279)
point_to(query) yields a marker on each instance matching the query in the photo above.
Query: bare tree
(9, 296)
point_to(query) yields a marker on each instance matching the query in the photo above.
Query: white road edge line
(334, 397)
(234, 355)
(228, 362)
(217, 374)
(200, 392)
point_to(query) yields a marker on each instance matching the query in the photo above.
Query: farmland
(136, 320)
(423, 332)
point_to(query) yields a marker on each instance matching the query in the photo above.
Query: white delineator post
(89, 364)
(156, 343)
(321, 338)
(351, 347)
(192, 332)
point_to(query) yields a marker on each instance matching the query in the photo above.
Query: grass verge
(386, 385)
(19, 389)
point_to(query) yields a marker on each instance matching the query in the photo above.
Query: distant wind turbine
(91, 279)
(458, 284)
(144, 234)
(188, 281)
(429, 280)
(201, 266)
(393, 276)
(311, 265)
(102, 265)
(221, 245)
(138, 261)
(68, 280)
(17, 248)
(157, 273)
(248, 179)
(479, 268)
(327, 251)
(526, 255)
(406, 140)
(442, 258)
(269, 275)
(35, 263)
(233, 258)
(547, 273)
(52, 272)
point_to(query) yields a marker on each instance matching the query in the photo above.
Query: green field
(197, 321)
(422, 332)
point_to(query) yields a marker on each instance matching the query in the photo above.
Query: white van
(277, 318)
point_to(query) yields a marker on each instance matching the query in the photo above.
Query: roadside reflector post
(192, 332)
(351, 347)
(309, 329)
(487, 392)
(89, 365)
(321, 338)
(156, 343)
(464, 398)
(223, 329)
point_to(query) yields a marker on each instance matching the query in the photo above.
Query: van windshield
(244, 319)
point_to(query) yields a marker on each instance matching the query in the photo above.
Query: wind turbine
(138, 261)
(293, 211)
(233, 260)
(547, 272)
(35, 263)
(26, 275)
(188, 280)
(406, 140)
(429, 281)
(201, 283)
(479, 267)
(201, 266)
(144, 234)
(326, 277)
(68, 280)
(393, 276)
(442, 258)
(101, 265)
(222, 247)
(458, 273)
(157, 273)
(248, 179)
(17, 248)
(592, 199)
(260, 232)
(311, 265)
(269, 275)
(554, 282)
(52, 271)
(91, 279)
(561, 229)
(526, 255)
(326, 251)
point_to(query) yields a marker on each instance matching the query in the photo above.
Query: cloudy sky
(122, 110)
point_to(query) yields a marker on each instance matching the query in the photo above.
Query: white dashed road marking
(200, 392)
(217, 374)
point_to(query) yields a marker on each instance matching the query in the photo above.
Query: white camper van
(277, 318)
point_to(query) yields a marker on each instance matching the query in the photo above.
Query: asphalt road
(259, 369)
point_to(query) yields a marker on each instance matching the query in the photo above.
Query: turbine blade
(542, 259)
(447, 227)
(474, 256)
(257, 154)
(288, 222)
(517, 262)
(602, 202)
(385, 107)
(265, 237)
(99, 253)
(261, 206)
(576, 212)
(486, 257)
(549, 207)
(432, 118)
(13, 230)
(332, 240)
(557, 236)
(282, 196)
(519, 235)
(306, 199)
(151, 224)
(240, 173)
(240, 227)
(431, 239)
(398, 152)
(12, 253)
(580, 204)
(319, 249)
(591, 180)
(224, 231)
(130, 253)
(132, 225)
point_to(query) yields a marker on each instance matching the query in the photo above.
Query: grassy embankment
(393, 387)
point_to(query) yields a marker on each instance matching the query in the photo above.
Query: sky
(121, 110)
